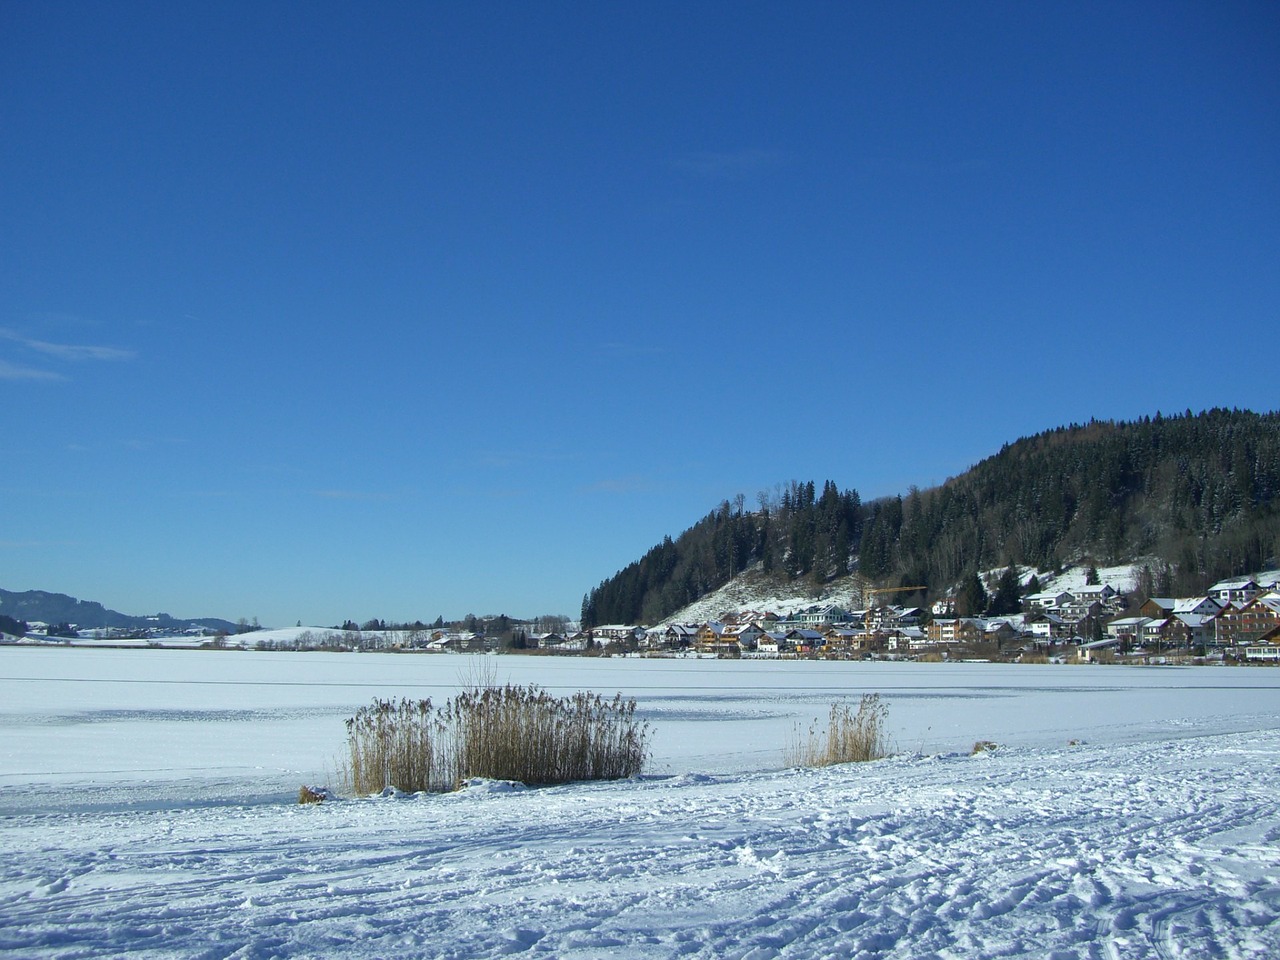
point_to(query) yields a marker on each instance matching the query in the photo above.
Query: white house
(1050, 600)
(1239, 591)
(1127, 629)
(1204, 606)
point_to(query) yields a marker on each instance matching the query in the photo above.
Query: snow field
(1131, 850)
(1157, 837)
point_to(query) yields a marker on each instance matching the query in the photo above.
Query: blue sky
(316, 311)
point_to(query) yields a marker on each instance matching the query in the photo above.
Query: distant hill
(55, 608)
(1195, 496)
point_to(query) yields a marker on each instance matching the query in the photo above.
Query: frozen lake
(230, 721)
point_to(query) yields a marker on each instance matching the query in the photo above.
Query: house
(674, 636)
(1101, 592)
(892, 618)
(1199, 629)
(1050, 600)
(745, 635)
(1204, 606)
(617, 633)
(1164, 633)
(1239, 590)
(954, 630)
(902, 638)
(773, 644)
(576, 643)
(1157, 607)
(1126, 631)
(839, 640)
(1049, 628)
(709, 637)
(1000, 632)
(803, 640)
(1236, 626)
(820, 616)
(970, 631)
(1265, 648)
(850, 640)
(1079, 611)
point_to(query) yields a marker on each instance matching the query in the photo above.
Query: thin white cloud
(72, 352)
(9, 371)
(75, 352)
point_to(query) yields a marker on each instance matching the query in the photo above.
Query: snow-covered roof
(1235, 583)
(1189, 604)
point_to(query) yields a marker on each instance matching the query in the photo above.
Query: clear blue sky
(315, 311)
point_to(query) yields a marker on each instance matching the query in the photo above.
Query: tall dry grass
(392, 744)
(500, 733)
(849, 737)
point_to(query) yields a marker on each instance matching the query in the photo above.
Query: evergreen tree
(971, 600)
(1007, 598)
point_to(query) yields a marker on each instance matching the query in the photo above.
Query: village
(1236, 619)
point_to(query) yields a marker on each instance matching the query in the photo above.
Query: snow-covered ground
(145, 810)
(757, 592)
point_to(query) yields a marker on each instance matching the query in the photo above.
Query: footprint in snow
(47, 888)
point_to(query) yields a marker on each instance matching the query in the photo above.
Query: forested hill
(58, 608)
(1199, 492)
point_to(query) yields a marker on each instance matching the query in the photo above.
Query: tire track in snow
(1126, 851)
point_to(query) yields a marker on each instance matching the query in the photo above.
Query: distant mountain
(55, 608)
(1196, 497)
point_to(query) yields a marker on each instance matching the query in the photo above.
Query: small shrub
(985, 746)
(312, 794)
(498, 733)
(848, 738)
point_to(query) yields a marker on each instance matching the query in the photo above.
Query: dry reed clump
(499, 733)
(849, 737)
(984, 746)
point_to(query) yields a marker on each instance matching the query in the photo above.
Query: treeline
(796, 532)
(511, 629)
(1200, 492)
(9, 625)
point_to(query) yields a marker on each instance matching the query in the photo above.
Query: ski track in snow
(1166, 849)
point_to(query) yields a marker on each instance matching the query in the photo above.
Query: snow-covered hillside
(753, 591)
